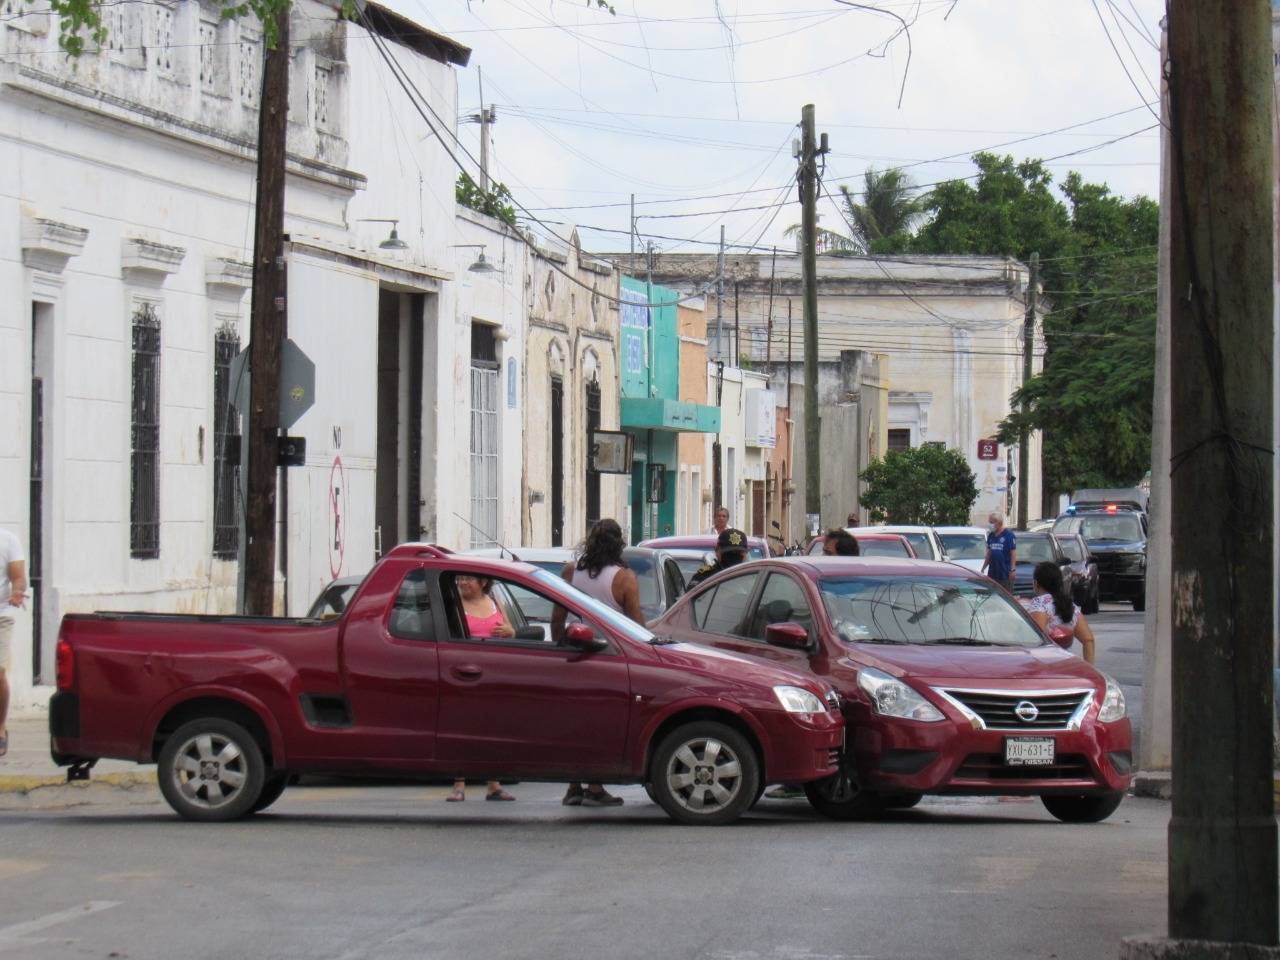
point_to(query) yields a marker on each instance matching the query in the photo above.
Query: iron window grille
(144, 499)
(226, 474)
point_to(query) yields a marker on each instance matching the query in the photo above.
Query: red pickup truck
(231, 708)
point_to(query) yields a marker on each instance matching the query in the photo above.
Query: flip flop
(456, 796)
(4, 745)
(499, 795)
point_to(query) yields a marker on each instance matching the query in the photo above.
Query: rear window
(1102, 526)
(965, 546)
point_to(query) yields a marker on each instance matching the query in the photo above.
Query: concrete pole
(1222, 837)
(1028, 354)
(266, 333)
(809, 258)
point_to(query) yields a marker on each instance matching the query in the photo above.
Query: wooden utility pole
(1028, 352)
(266, 327)
(1222, 835)
(808, 177)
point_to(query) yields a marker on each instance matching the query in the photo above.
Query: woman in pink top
(484, 619)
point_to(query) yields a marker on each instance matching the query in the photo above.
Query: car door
(522, 705)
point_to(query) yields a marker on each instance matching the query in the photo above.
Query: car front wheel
(839, 797)
(704, 773)
(1083, 809)
(212, 770)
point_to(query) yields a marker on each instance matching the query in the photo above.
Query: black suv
(1117, 541)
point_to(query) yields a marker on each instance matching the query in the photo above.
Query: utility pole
(488, 117)
(266, 326)
(720, 300)
(1028, 349)
(808, 177)
(1222, 835)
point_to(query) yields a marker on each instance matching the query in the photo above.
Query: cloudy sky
(692, 105)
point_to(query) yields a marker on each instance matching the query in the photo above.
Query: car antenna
(487, 536)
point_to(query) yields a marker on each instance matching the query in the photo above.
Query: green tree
(1092, 400)
(496, 203)
(881, 223)
(926, 485)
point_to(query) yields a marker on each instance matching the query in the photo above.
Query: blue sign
(635, 310)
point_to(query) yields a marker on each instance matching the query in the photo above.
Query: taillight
(65, 666)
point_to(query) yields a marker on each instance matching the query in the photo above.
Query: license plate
(1028, 751)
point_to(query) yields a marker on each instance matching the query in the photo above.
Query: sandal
(499, 795)
(456, 796)
(4, 744)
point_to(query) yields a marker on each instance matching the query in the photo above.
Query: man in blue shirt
(1001, 563)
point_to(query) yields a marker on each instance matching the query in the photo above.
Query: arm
(1041, 618)
(503, 629)
(986, 561)
(1013, 564)
(18, 579)
(626, 590)
(559, 613)
(1084, 633)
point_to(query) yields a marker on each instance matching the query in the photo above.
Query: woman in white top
(1052, 606)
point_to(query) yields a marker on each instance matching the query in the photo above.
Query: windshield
(965, 546)
(1102, 526)
(926, 610)
(1035, 548)
(619, 621)
(1071, 547)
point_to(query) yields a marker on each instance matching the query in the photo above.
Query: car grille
(991, 766)
(833, 700)
(999, 710)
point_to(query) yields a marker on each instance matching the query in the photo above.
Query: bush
(925, 485)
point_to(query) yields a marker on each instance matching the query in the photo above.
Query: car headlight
(1112, 708)
(798, 700)
(893, 698)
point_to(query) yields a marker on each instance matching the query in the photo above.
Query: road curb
(28, 783)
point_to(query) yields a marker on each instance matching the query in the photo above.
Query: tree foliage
(925, 484)
(1092, 400)
(496, 203)
(881, 222)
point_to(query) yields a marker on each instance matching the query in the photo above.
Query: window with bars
(226, 518)
(900, 439)
(144, 498)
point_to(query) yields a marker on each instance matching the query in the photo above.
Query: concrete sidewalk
(30, 779)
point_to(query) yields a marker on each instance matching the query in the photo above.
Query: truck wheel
(1083, 809)
(704, 773)
(211, 770)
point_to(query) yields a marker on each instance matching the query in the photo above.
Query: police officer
(731, 550)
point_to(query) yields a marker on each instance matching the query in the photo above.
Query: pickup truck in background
(231, 708)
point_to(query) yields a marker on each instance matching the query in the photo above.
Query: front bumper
(956, 757)
(797, 751)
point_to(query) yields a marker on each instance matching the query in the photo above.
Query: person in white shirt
(719, 521)
(13, 596)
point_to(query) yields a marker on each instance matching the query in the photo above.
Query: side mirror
(789, 635)
(580, 636)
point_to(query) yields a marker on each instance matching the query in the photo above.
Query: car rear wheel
(272, 789)
(704, 773)
(212, 770)
(839, 797)
(903, 801)
(1083, 809)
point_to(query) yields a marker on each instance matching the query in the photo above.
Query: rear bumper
(64, 728)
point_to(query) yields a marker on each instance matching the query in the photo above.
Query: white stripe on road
(17, 934)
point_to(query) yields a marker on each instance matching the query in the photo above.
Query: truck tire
(704, 774)
(211, 770)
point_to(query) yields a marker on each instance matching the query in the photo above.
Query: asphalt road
(390, 872)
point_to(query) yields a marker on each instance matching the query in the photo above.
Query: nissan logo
(1026, 711)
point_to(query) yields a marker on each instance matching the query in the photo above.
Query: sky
(692, 106)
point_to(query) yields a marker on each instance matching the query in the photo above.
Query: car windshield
(1102, 526)
(926, 610)
(1071, 547)
(965, 546)
(882, 548)
(646, 573)
(619, 621)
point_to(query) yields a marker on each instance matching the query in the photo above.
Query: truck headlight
(798, 700)
(892, 698)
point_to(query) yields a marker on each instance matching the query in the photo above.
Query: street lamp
(481, 265)
(392, 242)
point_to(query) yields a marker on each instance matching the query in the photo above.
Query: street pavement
(29, 778)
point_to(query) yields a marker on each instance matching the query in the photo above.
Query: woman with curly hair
(601, 573)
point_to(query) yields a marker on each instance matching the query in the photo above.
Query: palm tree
(882, 223)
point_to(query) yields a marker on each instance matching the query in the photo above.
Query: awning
(645, 413)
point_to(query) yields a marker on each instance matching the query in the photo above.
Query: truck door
(392, 673)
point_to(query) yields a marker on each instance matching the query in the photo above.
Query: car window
(503, 594)
(782, 600)
(965, 546)
(333, 602)
(723, 609)
(882, 548)
(645, 573)
(1071, 547)
(1102, 526)
(411, 613)
(926, 610)
(1035, 551)
(921, 544)
(675, 580)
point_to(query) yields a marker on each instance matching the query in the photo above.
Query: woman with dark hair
(601, 573)
(1052, 606)
(484, 619)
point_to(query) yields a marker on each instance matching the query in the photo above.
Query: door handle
(467, 671)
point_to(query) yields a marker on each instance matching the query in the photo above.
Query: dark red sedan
(949, 687)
